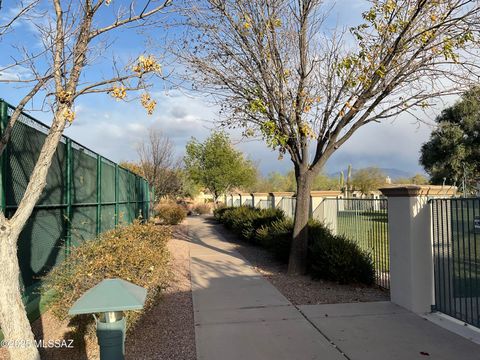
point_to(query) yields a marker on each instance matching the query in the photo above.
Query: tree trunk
(297, 264)
(15, 324)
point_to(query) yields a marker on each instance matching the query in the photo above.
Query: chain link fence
(85, 195)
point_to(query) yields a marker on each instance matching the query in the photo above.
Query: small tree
(452, 154)
(368, 179)
(282, 76)
(132, 166)
(217, 166)
(325, 182)
(73, 35)
(417, 179)
(159, 165)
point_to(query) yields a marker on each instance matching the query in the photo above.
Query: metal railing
(248, 202)
(456, 254)
(364, 221)
(265, 204)
(288, 204)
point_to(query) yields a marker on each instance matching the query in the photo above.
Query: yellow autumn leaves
(120, 93)
(272, 24)
(147, 64)
(148, 103)
(143, 65)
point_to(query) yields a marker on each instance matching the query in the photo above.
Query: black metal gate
(456, 254)
(364, 221)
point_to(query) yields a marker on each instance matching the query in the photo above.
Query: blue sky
(115, 128)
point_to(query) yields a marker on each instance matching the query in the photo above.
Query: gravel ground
(166, 332)
(301, 290)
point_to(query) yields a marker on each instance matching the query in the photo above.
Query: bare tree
(74, 37)
(19, 12)
(281, 74)
(159, 165)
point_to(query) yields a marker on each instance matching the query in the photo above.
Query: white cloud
(114, 129)
(14, 73)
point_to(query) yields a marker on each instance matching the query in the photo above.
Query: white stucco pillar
(411, 255)
(323, 207)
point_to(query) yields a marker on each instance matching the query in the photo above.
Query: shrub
(330, 257)
(265, 219)
(339, 259)
(136, 253)
(170, 213)
(202, 209)
(244, 220)
(277, 238)
(219, 213)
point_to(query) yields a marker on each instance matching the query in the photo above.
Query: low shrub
(339, 259)
(219, 213)
(245, 220)
(265, 218)
(170, 213)
(277, 238)
(202, 209)
(330, 257)
(136, 253)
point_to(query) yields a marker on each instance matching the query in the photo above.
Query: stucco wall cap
(322, 193)
(418, 190)
(282, 193)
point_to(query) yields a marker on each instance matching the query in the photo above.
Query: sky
(115, 128)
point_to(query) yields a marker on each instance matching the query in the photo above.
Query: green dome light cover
(110, 295)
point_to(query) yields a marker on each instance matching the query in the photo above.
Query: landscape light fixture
(110, 298)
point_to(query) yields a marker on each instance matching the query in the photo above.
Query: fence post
(411, 253)
(152, 201)
(116, 194)
(99, 194)
(146, 188)
(3, 157)
(68, 240)
(324, 206)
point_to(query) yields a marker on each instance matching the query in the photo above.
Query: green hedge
(330, 257)
(244, 220)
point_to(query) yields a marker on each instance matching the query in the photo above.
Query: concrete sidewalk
(240, 315)
(382, 330)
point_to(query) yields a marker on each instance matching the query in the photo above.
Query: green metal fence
(85, 195)
(456, 254)
(365, 221)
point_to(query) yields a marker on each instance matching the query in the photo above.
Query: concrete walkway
(240, 315)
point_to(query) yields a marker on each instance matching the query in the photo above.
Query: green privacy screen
(85, 195)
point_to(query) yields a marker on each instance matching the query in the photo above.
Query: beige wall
(411, 254)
